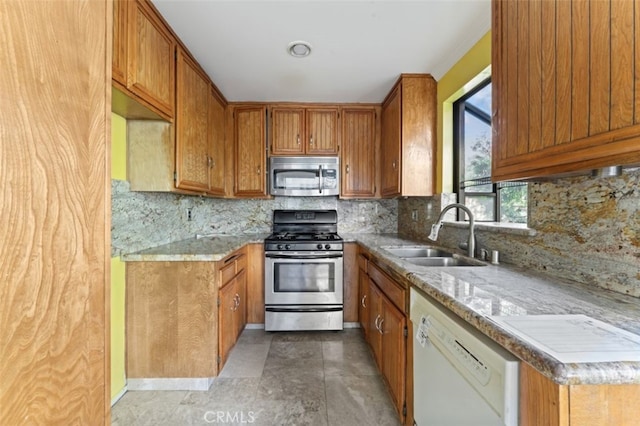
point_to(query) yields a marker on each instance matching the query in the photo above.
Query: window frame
(459, 108)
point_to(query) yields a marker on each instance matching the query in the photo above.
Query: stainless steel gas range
(303, 271)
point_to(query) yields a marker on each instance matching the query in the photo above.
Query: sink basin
(408, 252)
(442, 261)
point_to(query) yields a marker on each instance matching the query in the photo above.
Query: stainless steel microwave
(304, 176)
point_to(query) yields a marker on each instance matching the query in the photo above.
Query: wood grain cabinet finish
(543, 402)
(382, 311)
(297, 130)
(217, 144)
(172, 328)
(359, 146)
(408, 141)
(565, 87)
(250, 152)
(151, 49)
(119, 60)
(232, 313)
(55, 205)
(192, 115)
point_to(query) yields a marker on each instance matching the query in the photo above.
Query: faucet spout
(435, 228)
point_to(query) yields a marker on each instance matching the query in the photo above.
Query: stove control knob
(280, 246)
(327, 246)
(287, 246)
(319, 246)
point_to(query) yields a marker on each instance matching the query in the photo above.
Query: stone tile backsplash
(587, 230)
(141, 220)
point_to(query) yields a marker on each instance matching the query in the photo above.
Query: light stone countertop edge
(205, 249)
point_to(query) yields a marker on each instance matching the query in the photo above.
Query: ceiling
(359, 47)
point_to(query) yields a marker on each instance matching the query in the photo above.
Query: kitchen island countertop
(477, 293)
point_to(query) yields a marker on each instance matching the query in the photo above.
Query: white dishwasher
(460, 376)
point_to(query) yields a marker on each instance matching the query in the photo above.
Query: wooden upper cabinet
(565, 89)
(119, 69)
(192, 107)
(408, 145)
(322, 131)
(150, 58)
(358, 153)
(250, 151)
(216, 133)
(287, 127)
(299, 131)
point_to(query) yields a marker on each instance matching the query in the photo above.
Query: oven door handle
(320, 184)
(304, 257)
(314, 309)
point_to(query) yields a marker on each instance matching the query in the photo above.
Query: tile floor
(276, 378)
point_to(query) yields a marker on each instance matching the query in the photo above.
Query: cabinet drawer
(393, 291)
(227, 272)
(241, 263)
(362, 263)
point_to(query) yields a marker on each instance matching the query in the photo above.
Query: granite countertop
(477, 293)
(473, 293)
(209, 248)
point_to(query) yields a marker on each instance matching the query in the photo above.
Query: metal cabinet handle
(393, 165)
(310, 139)
(347, 169)
(258, 170)
(376, 322)
(380, 326)
(209, 160)
(298, 139)
(363, 301)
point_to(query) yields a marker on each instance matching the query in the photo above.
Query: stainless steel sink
(408, 252)
(442, 261)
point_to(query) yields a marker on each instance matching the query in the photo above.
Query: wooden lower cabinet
(543, 402)
(183, 318)
(385, 325)
(171, 322)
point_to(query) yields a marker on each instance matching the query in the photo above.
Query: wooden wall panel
(622, 68)
(549, 75)
(564, 71)
(580, 71)
(55, 209)
(599, 67)
(535, 76)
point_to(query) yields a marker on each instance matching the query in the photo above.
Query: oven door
(303, 278)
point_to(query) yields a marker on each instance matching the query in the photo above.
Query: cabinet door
(390, 145)
(217, 144)
(241, 310)
(227, 321)
(119, 61)
(151, 58)
(322, 131)
(364, 302)
(192, 150)
(393, 352)
(561, 103)
(374, 333)
(358, 153)
(250, 156)
(287, 129)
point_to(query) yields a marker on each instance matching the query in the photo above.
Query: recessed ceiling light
(299, 49)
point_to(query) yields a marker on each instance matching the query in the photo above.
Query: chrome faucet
(435, 228)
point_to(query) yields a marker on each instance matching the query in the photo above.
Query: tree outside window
(489, 201)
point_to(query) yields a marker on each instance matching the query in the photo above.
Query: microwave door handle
(320, 180)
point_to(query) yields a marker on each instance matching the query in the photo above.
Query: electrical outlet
(189, 214)
(414, 215)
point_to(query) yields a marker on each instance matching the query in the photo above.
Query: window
(489, 202)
